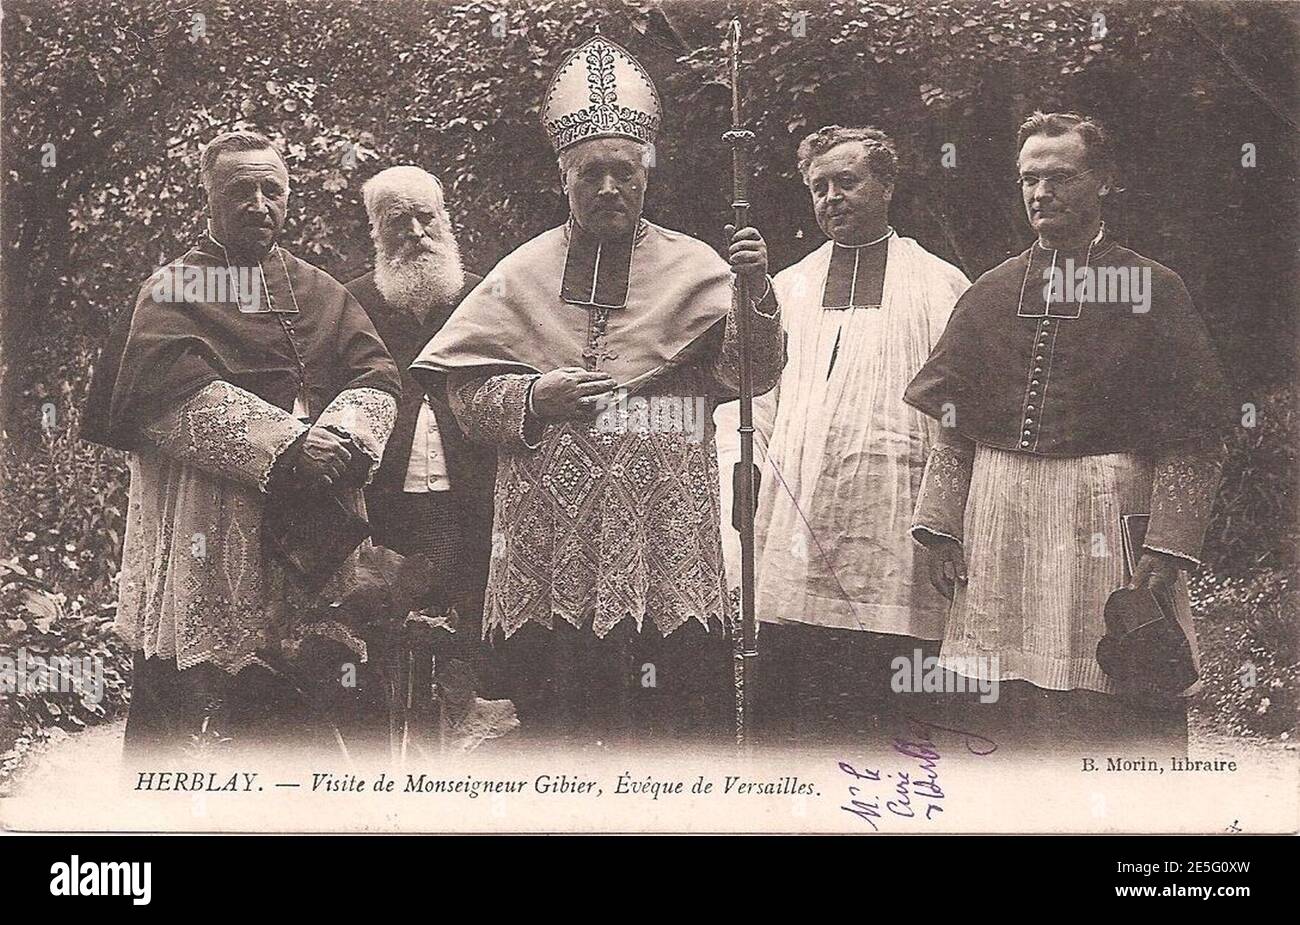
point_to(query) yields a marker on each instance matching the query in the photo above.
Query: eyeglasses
(1029, 181)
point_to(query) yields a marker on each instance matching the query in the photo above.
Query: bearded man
(432, 494)
(607, 604)
(254, 398)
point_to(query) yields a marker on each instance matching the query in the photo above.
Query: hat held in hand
(1145, 648)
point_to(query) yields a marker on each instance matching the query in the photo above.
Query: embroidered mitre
(600, 91)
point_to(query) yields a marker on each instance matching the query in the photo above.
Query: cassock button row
(1038, 369)
(1028, 421)
(1034, 382)
(1029, 407)
(1024, 443)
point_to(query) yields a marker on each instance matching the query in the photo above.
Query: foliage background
(126, 92)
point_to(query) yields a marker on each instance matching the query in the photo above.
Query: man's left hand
(1156, 571)
(749, 258)
(324, 457)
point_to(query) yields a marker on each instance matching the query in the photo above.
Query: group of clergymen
(951, 474)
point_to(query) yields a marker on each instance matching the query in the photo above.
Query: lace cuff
(365, 415)
(941, 503)
(492, 409)
(227, 432)
(1182, 494)
(767, 348)
(766, 304)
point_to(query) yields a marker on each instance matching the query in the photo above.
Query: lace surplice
(596, 527)
(365, 415)
(196, 583)
(1184, 480)
(941, 502)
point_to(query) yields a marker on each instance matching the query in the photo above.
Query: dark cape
(1082, 378)
(167, 349)
(470, 469)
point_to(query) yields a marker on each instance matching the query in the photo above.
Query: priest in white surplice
(840, 588)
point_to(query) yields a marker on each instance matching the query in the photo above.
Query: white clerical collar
(598, 272)
(1101, 231)
(1054, 307)
(225, 251)
(268, 305)
(889, 233)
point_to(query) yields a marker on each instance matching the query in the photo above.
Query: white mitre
(600, 91)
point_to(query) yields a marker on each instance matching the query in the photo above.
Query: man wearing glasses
(1078, 392)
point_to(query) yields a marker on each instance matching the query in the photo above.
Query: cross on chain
(595, 351)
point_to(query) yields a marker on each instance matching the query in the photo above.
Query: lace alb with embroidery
(196, 584)
(1185, 482)
(367, 416)
(599, 527)
(941, 502)
(228, 432)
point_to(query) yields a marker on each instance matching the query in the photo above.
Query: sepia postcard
(629, 416)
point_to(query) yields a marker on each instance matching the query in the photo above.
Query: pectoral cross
(595, 351)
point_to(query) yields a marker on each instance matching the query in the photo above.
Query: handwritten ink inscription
(911, 790)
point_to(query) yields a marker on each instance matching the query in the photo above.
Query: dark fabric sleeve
(150, 362)
(943, 379)
(1190, 403)
(363, 360)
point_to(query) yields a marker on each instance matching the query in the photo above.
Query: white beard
(417, 282)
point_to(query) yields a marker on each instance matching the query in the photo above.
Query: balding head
(404, 187)
(248, 192)
(417, 260)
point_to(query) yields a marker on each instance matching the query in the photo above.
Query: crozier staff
(606, 556)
